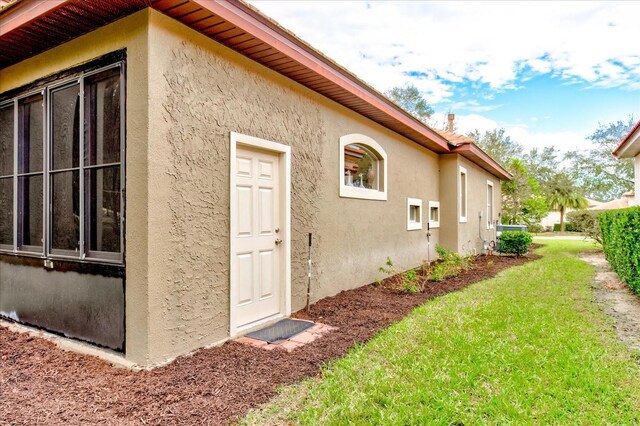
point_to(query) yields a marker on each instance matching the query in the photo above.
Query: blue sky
(548, 72)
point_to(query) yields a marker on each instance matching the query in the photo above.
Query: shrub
(410, 282)
(621, 241)
(450, 264)
(535, 228)
(568, 227)
(515, 242)
(586, 221)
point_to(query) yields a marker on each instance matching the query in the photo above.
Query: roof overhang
(473, 153)
(629, 146)
(32, 26)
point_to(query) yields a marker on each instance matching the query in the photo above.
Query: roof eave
(629, 146)
(478, 156)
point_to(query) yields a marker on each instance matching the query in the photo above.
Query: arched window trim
(375, 148)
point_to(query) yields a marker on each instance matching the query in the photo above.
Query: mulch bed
(42, 384)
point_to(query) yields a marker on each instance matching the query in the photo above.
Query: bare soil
(43, 384)
(617, 299)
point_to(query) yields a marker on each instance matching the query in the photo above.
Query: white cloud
(485, 42)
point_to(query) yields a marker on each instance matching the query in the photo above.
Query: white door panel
(256, 248)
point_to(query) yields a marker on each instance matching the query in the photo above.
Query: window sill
(463, 220)
(434, 225)
(362, 193)
(414, 226)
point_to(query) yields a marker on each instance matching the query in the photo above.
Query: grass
(559, 234)
(526, 347)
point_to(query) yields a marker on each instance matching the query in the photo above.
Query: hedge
(568, 227)
(621, 241)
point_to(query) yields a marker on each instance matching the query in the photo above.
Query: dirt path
(618, 300)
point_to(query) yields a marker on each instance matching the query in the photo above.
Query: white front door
(257, 237)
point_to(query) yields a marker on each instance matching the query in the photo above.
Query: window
(68, 177)
(30, 173)
(7, 129)
(434, 214)
(462, 191)
(489, 204)
(363, 168)
(414, 214)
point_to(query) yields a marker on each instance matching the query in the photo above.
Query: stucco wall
(474, 231)
(449, 201)
(466, 237)
(200, 91)
(130, 33)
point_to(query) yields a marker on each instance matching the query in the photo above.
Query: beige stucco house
(629, 147)
(164, 162)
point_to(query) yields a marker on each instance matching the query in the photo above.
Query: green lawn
(526, 347)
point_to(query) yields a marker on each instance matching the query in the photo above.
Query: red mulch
(42, 384)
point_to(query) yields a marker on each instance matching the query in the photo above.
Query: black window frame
(82, 254)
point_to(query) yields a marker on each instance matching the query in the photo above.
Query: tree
(543, 164)
(500, 147)
(409, 98)
(563, 195)
(596, 170)
(522, 201)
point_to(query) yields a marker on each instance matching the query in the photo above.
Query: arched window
(363, 168)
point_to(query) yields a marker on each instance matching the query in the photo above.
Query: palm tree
(562, 195)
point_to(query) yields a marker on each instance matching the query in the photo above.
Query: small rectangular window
(463, 194)
(489, 205)
(434, 214)
(414, 214)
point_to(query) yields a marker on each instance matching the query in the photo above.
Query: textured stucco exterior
(201, 91)
(185, 95)
(466, 237)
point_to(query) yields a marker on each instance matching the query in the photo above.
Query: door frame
(284, 154)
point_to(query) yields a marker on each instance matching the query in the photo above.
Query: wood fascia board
(26, 11)
(632, 138)
(481, 158)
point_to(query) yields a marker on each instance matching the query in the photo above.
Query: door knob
(278, 241)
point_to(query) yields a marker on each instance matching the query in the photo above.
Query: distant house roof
(30, 27)
(629, 146)
(621, 203)
(593, 203)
